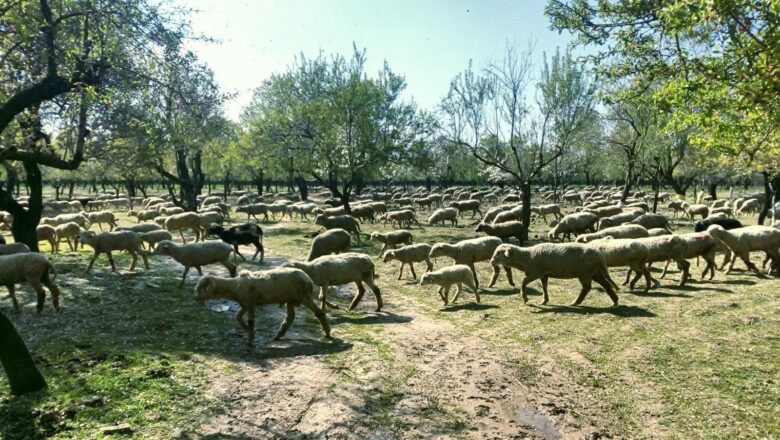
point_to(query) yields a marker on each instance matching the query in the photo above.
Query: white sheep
(444, 214)
(146, 214)
(618, 219)
(107, 242)
(503, 230)
(344, 268)
(68, 231)
(401, 218)
(49, 234)
(276, 286)
(410, 254)
(665, 248)
(545, 210)
(742, 241)
(100, 217)
(693, 210)
(469, 252)
(182, 221)
(446, 277)
(140, 227)
(80, 219)
(467, 205)
(651, 221)
(391, 239)
(625, 253)
(13, 248)
(699, 244)
(329, 242)
(656, 232)
(151, 238)
(197, 255)
(559, 260)
(622, 231)
(577, 223)
(34, 269)
(345, 222)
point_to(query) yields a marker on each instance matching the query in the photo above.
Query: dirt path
(433, 381)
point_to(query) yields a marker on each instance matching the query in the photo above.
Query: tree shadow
(656, 293)
(697, 288)
(501, 292)
(469, 306)
(371, 318)
(620, 311)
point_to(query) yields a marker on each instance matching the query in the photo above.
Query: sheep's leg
(411, 266)
(586, 283)
(41, 294)
(251, 327)
(441, 292)
(709, 267)
(731, 263)
(684, 266)
(429, 263)
(603, 282)
(509, 275)
(400, 272)
(111, 261)
(663, 273)
(369, 280)
(359, 297)
(475, 290)
(12, 294)
(446, 295)
(240, 319)
(494, 278)
(288, 320)
(307, 302)
(457, 293)
(382, 251)
(100, 226)
(544, 290)
(523, 285)
(259, 250)
(183, 240)
(184, 275)
(146, 261)
(92, 260)
(230, 267)
(135, 260)
(235, 248)
(474, 273)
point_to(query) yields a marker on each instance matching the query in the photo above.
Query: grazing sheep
(48, 233)
(742, 241)
(197, 255)
(100, 217)
(606, 211)
(413, 253)
(618, 219)
(726, 223)
(665, 248)
(445, 277)
(391, 239)
(622, 231)
(34, 269)
(650, 221)
(171, 210)
(79, 219)
(182, 221)
(245, 234)
(140, 227)
(107, 242)
(469, 252)
(694, 210)
(345, 268)
(559, 260)
(657, 232)
(345, 222)
(151, 238)
(329, 242)
(494, 211)
(211, 200)
(577, 223)
(676, 207)
(625, 253)
(514, 214)
(68, 231)
(276, 286)
(545, 210)
(467, 205)
(503, 230)
(749, 206)
(444, 214)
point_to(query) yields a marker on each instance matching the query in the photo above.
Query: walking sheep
(444, 214)
(411, 254)
(107, 242)
(31, 268)
(469, 252)
(446, 277)
(345, 222)
(329, 242)
(391, 239)
(197, 255)
(503, 230)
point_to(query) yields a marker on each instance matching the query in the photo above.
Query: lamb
(650, 221)
(726, 223)
(101, 217)
(559, 260)
(622, 231)
(253, 210)
(141, 227)
(197, 255)
(247, 233)
(345, 222)
(467, 205)
(503, 230)
(276, 286)
(182, 221)
(332, 241)
(34, 269)
(13, 248)
(675, 206)
(413, 253)
(403, 217)
(445, 277)
(142, 216)
(625, 253)
(469, 252)
(699, 244)
(391, 239)
(665, 248)
(48, 233)
(151, 238)
(577, 223)
(751, 238)
(333, 270)
(694, 210)
(107, 242)
(80, 219)
(444, 214)
(68, 231)
(618, 219)
(545, 210)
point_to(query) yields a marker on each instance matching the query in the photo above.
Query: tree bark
(303, 188)
(525, 196)
(771, 189)
(23, 375)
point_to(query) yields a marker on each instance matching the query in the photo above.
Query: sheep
(403, 217)
(171, 211)
(469, 252)
(622, 231)
(444, 214)
(206, 219)
(151, 238)
(141, 227)
(107, 242)
(329, 242)
(694, 210)
(726, 223)
(606, 211)
(749, 206)
(558, 260)
(13, 248)
(68, 231)
(625, 252)
(101, 217)
(182, 221)
(503, 230)
(665, 248)
(48, 233)
(391, 239)
(413, 253)
(577, 223)
(148, 202)
(80, 219)
(34, 269)
(545, 210)
(742, 241)
(197, 255)
(467, 205)
(363, 213)
(276, 286)
(699, 244)
(494, 211)
(210, 201)
(657, 232)
(445, 277)
(121, 203)
(722, 210)
(650, 221)
(618, 219)
(247, 233)
(675, 206)
(333, 270)
(513, 214)
(345, 222)
(142, 216)
(253, 210)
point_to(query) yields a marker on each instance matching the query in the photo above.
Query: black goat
(726, 223)
(247, 233)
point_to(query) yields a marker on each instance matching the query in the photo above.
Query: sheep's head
(377, 236)
(425, 279)
(87, 237)
(439, 250)
(389, 255)
(206, 289)
(164, 247)
(553, 234)
(717, 231)
(215, 229)
(319, 219)
(132, 213)
(480, 227)
(500, 256)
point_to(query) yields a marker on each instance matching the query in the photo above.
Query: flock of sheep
(607, 233)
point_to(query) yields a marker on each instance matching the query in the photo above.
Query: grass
(696, 362)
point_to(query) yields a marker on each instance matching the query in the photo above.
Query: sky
(427, 41)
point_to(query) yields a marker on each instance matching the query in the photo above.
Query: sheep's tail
(53, 270)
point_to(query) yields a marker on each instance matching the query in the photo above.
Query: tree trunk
(23, 375)
(771, 188)
(25, 223)
(629, 182)
(258, 177)
(525, 196)
(712, 189)
(303, 188)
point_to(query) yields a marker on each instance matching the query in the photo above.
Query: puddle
(543, 425)
(222, 306)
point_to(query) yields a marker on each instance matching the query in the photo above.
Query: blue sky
(428, 41)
